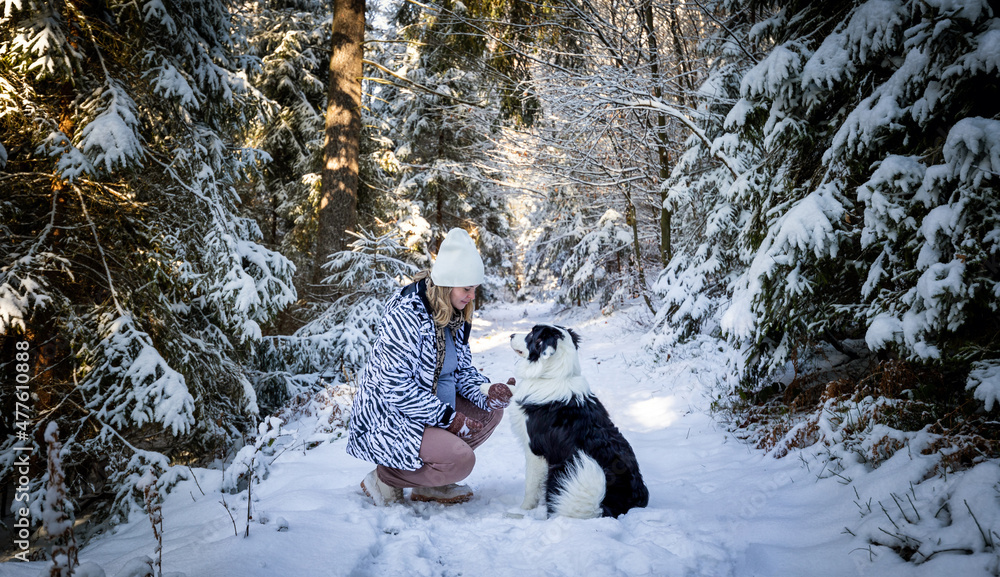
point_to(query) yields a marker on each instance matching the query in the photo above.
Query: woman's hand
(464, 427)
(499, 395)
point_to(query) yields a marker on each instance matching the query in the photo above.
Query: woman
(420, 411)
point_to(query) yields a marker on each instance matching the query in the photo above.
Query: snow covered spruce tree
(333, 347)
(58, 518)
(330, 339)
(292, 40)
(435, 113)
(868, 205)
(125, 263)
(701, 191)
(706, 256)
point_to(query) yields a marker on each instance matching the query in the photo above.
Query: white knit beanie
(458, 263)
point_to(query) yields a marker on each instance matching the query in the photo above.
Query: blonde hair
(440, 299)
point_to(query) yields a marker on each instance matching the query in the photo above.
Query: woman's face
(461, 296)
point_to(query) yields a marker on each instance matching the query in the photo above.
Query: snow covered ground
(717, 507)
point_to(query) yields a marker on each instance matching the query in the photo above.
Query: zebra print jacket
(394, 401)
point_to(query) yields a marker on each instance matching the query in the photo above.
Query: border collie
(574, 454)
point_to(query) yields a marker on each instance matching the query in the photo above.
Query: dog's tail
(582, 490)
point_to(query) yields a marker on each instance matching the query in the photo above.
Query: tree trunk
(631, 218)
(339, 182)
(683, 62)
(666, 251)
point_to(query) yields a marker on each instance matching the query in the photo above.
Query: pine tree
(291, 38)
(702, 194)
(334, 346)
(125, 259)
(866, 140)
(436, 138)
(337, 211)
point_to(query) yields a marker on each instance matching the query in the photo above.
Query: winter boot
(381, 493)
(448, 494)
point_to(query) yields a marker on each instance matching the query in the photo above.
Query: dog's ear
(575, 337)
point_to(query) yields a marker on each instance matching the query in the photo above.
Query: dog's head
(549, 349)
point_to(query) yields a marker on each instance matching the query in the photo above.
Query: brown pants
(447, 458)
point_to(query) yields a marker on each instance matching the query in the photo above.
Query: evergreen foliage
(811, 176)
(434, 134)
(292, 40)
(125, 262)
(866, 137)
(334, 346)
(702, 192)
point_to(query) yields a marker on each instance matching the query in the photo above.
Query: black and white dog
(574, 454)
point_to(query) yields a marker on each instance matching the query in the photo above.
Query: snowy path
(717, 507)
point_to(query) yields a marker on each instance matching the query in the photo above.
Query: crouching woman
(420, 410)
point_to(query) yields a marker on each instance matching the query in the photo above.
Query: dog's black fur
(559, 430)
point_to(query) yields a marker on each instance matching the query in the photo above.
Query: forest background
(803, 179)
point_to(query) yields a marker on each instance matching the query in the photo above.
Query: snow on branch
(806, 227)
(984, 379)
(972, 150)
(770, 77)
(660, 106)
(253, 284)
(370, 264)
(42, 38)
(172, 82)
(138, 385)
(143, 467)
(112, 138)
(72, 162)
(947, 211)
(21, 290)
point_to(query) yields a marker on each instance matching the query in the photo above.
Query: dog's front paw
(529, 503)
